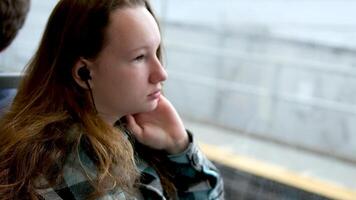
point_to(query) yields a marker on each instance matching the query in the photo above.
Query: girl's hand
(161, 128)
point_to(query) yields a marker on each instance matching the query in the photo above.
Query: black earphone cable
(91, 95)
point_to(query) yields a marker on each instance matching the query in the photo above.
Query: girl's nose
(158, 74)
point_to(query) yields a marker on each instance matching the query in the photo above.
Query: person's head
(125, 76)
(12, 17)
(117, 43)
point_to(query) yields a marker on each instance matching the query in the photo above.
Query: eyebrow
(147, 45)
(139, 48)
(142, 47)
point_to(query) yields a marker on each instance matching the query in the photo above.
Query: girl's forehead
(132, 28)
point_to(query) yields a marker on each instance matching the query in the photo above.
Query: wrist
(180, 145)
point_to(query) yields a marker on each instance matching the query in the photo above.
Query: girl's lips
(154, 95)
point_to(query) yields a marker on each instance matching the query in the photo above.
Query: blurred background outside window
(269, 80)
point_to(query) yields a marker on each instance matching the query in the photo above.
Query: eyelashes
(143, 56)
(139, 58)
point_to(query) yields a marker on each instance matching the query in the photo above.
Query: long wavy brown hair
(33, 133)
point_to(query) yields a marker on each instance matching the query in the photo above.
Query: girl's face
(127, 75)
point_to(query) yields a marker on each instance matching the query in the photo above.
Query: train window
(268, 88)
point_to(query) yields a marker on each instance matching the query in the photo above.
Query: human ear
(81, 73)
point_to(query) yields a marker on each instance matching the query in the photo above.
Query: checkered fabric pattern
(195, 178)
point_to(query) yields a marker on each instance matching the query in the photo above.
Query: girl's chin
(153, 105)
(148, 107)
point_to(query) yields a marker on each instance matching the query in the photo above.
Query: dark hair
(12, 17)
(32, 133)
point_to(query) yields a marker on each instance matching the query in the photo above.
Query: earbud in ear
(84, 73)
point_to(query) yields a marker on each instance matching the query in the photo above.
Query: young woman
(89, 120)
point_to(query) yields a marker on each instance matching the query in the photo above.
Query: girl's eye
(139, 58)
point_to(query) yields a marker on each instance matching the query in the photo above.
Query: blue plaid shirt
(195, 177)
